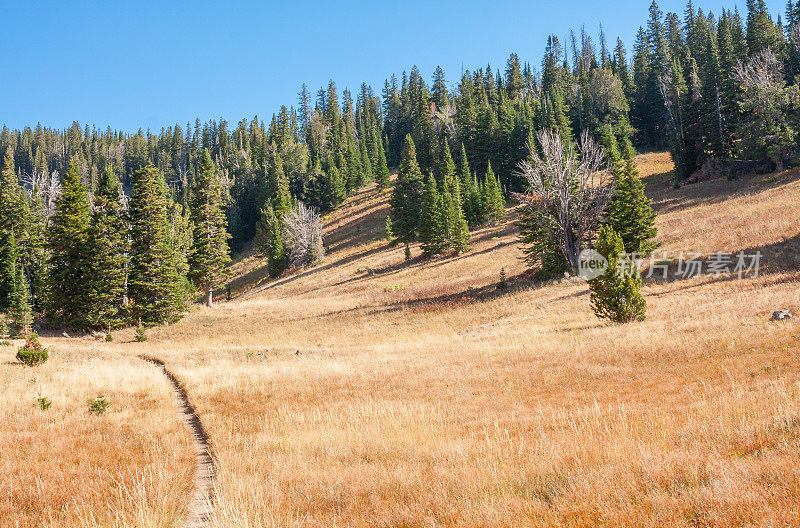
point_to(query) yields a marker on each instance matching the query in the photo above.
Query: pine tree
(447, 170)
(406, 198)
(615, 294)
(493, 200)
(366, 164)
(457, 228)
(332, 190)
(278, 186)
(19, 305)
(155, 284)
(270, 237)
(13, 221)
(107, 255)
(439, 93)
(432, 220)
(209, 256)
(67, 241)
(382, 171)
(474, 203)
(630, 212)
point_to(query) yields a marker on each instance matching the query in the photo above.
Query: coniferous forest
(105, 228)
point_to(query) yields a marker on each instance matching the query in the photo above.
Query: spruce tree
(457, 229)
(68, 244)
(155, 283)
(447, 170)
(382, 171)
(13, 221)
(630, 212)
(366, 164)
(432, 220)
(615, 294)
(406, 198)
(270, 239)
(332, 190)
(19, 305)
(107, 255)
(209, 256)
(494, 202)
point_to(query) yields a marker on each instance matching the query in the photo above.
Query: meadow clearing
(370, 391)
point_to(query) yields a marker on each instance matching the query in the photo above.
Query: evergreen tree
(493, 200)
(67, 241)
(107, 255)
(382, 171)
(155, 284)
(332, 192)
(366, 164)
(439, 93)
(13, 224)
(447, 170)
(540, 250)
(630, 213)
(19, 305)
(432, 220)
(406, 198)
(457, 228)
(209, 255)
(270, 237)
(615, 294)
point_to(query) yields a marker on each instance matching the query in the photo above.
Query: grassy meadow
(374, 392)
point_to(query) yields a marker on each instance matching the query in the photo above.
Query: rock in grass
(781, 315)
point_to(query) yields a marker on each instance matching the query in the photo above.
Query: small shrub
(387, 228)
(615, 294)
(98, 406)
(393, 288)
(109, 337)
(503, 284)
(32, 352)
(140, 335)
(43, 402)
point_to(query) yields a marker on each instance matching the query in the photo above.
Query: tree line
(708, 87)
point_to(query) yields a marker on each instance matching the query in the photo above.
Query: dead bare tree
(46, 187)
(761, 72)
(568, 188)
(445, 121)
(304, 230)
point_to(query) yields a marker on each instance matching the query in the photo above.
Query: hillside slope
(370, 391)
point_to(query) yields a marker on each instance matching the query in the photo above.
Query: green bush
(43, 402)
(32, 352)
(503, 284)
(109, 337)
(140, 335)
(98, 406)
(615, 294)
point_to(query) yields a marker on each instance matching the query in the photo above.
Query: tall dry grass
(373, 392)
(65, 467)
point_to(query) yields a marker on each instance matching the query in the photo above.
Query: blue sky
(144, 64)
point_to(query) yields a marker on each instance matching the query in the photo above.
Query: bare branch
(304, 228)
(761, 72)
(569, 189)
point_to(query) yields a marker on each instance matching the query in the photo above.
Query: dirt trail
(200, 506)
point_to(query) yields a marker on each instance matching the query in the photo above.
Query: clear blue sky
(150, 64)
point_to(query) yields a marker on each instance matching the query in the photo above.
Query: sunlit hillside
(370, 391)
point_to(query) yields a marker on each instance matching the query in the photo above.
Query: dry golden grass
(65, 467)
(374, 392)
